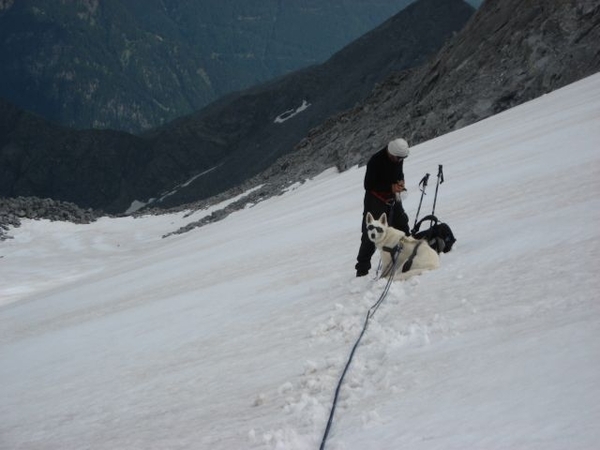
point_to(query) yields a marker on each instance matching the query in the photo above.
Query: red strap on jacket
(385, 197)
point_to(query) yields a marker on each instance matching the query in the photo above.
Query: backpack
(439, 236)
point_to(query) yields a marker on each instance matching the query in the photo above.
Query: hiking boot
(361, 272)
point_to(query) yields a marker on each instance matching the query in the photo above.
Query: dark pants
(397, 218)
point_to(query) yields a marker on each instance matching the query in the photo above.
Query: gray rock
(13, 210)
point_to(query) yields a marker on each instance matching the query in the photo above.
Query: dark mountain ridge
(228, 141)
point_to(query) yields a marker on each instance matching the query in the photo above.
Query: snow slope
(233, 335)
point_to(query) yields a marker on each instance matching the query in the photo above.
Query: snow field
(234, 335)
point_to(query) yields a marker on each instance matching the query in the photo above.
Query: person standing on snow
(384, 181)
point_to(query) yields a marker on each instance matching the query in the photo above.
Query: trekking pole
(422, 186)
(440, 180)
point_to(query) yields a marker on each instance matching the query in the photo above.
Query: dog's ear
(369, 218)
(383, 219)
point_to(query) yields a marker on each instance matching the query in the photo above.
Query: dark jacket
(381, 173)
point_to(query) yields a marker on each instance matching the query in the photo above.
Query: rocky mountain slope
(510, 52)
(223, 144)
(135, 64)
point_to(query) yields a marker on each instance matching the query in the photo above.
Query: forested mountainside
(135, 64)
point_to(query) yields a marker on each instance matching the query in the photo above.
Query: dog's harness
(408, 264)
(394, 252)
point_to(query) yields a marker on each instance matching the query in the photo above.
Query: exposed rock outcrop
(13, 210)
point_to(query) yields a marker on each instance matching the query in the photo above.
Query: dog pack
(439, 235)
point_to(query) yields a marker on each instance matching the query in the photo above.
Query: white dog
(414, 257)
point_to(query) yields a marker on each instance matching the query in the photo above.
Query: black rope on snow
(370, 314)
